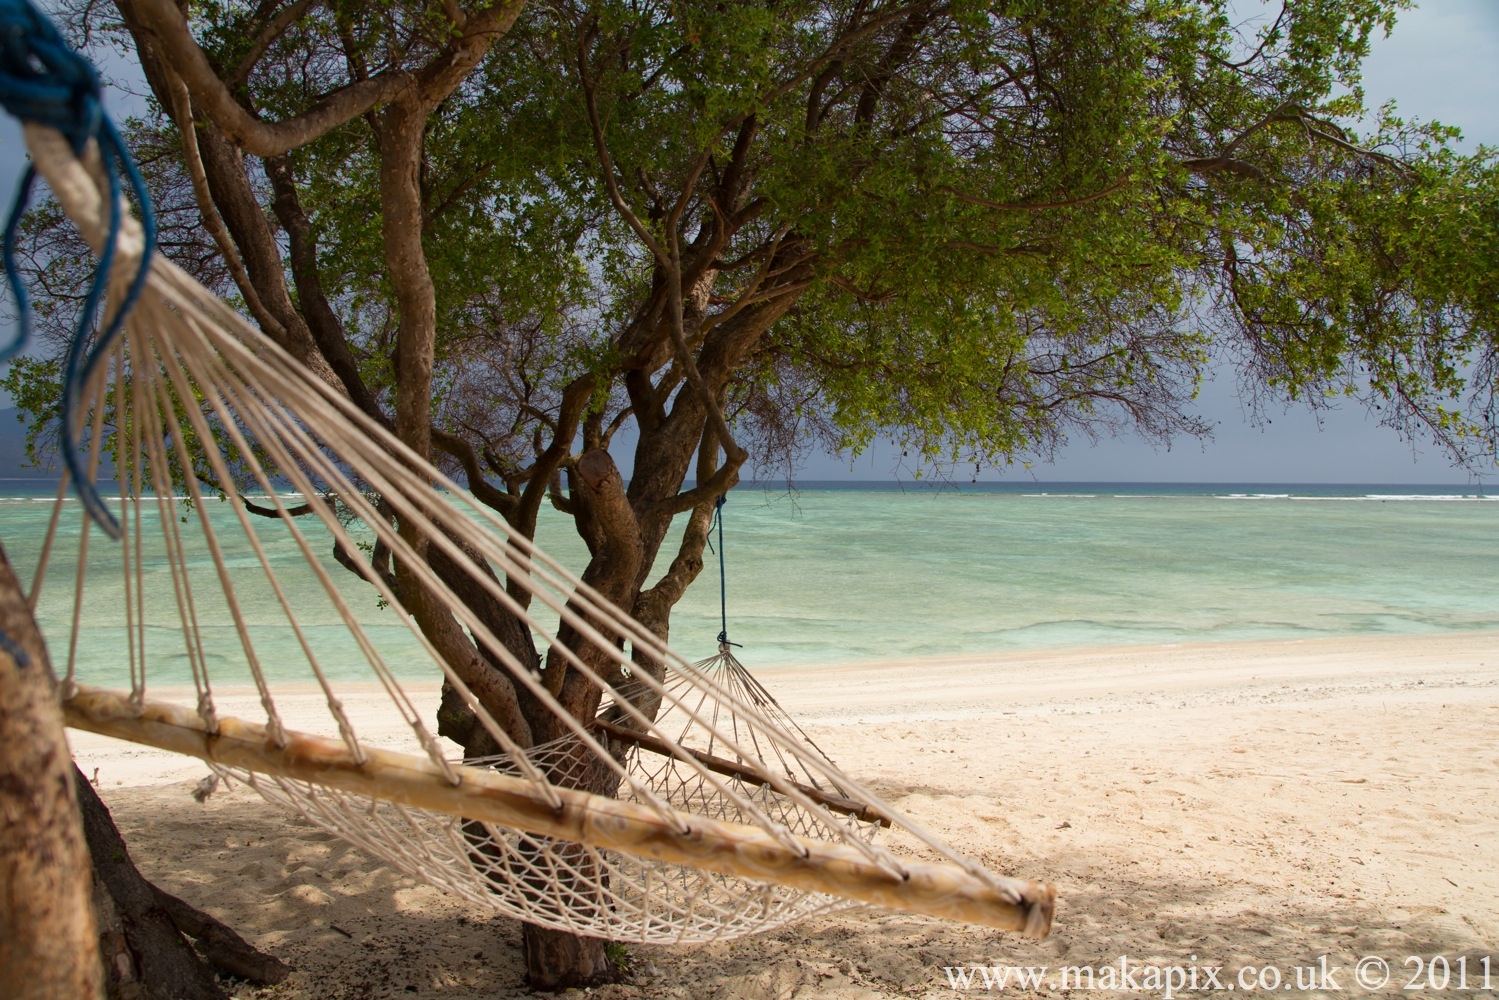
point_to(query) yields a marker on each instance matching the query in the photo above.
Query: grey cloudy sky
(1441, 63)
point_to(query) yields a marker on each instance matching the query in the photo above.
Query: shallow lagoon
(833, 575)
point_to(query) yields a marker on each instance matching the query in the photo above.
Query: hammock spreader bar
(937, 890)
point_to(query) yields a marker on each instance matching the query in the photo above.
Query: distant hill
(13, 463)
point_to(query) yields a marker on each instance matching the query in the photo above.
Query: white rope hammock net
(727, 820)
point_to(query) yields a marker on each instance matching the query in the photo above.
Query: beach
(1295, 805)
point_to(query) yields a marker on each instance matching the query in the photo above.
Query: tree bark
(49, 944)
(557, 960)
(400, 133)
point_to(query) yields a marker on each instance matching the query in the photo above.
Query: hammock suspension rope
(723, 581)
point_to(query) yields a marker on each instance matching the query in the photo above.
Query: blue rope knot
(43, 80)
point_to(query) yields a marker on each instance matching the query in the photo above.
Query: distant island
(13, 464)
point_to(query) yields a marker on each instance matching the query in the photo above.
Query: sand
(1241, 806)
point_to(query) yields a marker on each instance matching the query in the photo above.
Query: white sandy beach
(1249, 804)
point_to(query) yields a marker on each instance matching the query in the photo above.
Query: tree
(741, 230)
(49, 945)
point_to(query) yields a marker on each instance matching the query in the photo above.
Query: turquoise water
(102, 641)
(839, 575)
(863, 575)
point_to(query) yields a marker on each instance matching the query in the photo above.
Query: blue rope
(43, 80)
(723, 579)
(14, 651)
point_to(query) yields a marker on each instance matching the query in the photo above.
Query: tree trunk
(557, 960)
(49, 946)
(142, 928)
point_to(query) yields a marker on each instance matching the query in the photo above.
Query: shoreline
(1089, 681)
(1103, 679)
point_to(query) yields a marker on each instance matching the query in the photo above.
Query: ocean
(840, 573)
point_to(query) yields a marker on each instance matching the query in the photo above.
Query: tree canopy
(973, 227)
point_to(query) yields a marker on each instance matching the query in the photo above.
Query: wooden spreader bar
(939, 890)
(734, 769)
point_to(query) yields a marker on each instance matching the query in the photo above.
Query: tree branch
(601, 149)
(1038, 206)
(1273, 32)
(326, 328)
(668, 257)
(168, 29)
(182, 114)
(574, 401)
(1213, 164)
(237, 206)
(723, 480)
(468, 459)
(267, 37)
(259, 511)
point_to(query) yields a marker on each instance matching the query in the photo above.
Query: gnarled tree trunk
(557, 959)
(48, 942)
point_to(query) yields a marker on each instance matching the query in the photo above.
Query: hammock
(723, 819)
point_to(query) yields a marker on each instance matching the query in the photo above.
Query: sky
(1440, 63)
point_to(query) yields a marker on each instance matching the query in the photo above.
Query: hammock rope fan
(723, 818)
(730, 674)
